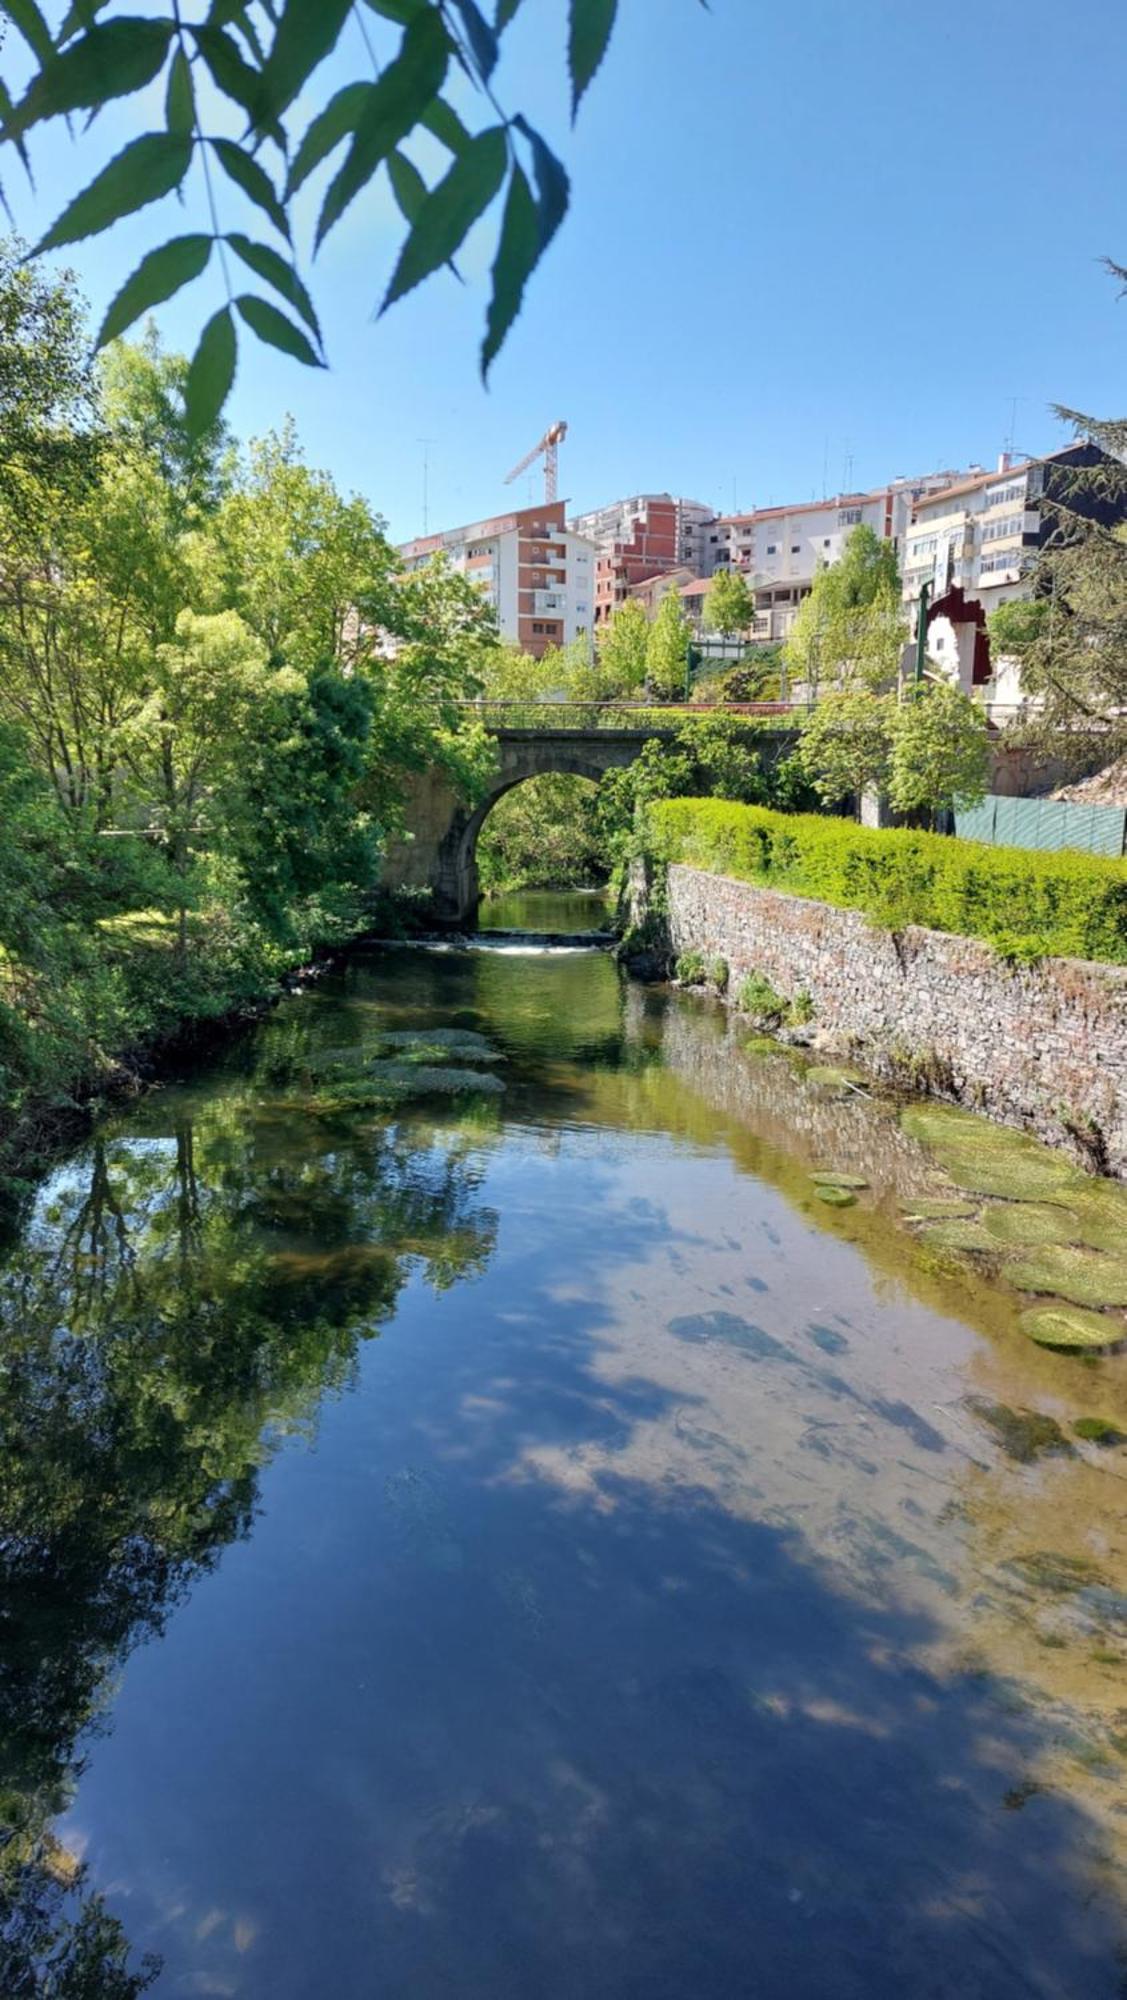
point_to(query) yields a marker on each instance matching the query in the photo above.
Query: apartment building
(538, 573)
(974, 545)
(639, 538)
(781, 549)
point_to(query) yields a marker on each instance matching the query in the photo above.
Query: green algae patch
(436, 1045)
(936, 1123)
(763, 1045)
(835, 1197)
(937, 1208)
(1046, 1569)
(1071, 1328)
(1070, 1271)
(1021, 1172)
(1099, 1430)
(958, 1233)
(1100, 1208)
(1030, 1223)
(410, 1079)
(839, 1180)
(1024, 1435)
(825, 1077)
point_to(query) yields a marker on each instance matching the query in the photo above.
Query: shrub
(1065, 904)
(758, 997)
(689, 969)
(718, 974)
(802, 1008)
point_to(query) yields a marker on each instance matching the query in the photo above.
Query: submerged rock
(1024, 1435)
(1030, 1222)
(834, 1196)
(436, 1045)
(839, 1180)
(1098, 1430)
(957, 1233)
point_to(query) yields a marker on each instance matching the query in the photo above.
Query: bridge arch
(439, 849)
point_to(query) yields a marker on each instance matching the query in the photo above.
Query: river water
(527, 1544)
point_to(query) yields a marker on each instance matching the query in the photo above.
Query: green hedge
(1026, 904)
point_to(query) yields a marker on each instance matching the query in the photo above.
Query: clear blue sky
(805, 242)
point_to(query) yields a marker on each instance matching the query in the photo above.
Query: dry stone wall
(1043, 1046)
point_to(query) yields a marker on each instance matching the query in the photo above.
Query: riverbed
(522, 1540)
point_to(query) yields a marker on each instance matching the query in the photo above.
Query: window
(796, 548)
(772, 548)
(848, 517)
(826, 543)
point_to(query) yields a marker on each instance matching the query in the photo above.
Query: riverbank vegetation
(1027, 905)
(204, 734)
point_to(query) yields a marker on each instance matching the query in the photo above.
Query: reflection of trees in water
(179, 1304)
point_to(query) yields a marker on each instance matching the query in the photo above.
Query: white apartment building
(781, 549)
(538, 574)
(973, 545)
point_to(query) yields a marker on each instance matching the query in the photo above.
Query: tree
(850, 630)
(48, 403)
(1070, 637)
(143, 397)
(667, 650)
(620, 651)
(940, 751)
(729, 607)
(243, 69)
(845, 746)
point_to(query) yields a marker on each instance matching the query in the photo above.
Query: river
(526, 1543)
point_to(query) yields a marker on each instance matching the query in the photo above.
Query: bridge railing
(582, 716)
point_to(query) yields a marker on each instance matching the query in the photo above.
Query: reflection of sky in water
(647, 1616)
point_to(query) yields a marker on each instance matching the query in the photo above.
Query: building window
(826, 543)
(848, 517)
(772, 548)
(796, 548)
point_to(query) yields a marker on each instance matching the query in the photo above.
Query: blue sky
(822, 243)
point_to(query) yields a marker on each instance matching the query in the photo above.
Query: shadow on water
(522, 1685)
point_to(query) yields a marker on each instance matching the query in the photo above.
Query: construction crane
(550, 446)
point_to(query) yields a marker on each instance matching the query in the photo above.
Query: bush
(689, 969)
(1065, 904)
(718, 974)
(758, 997)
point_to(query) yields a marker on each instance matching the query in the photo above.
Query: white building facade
(538, 574)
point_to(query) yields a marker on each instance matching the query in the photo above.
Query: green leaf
(553, 188)
(211, 373)
(236, 78)
(254, 181)
(403, 11)
(27, 19)
(407, 185)
(398, 100)
(589, 31)
(142, 172)
(518, 250)
(330, 126)
(480, 36)
(445, 125)
(307, 32)
(269, 324)
(505, 11)
(450, 210)
(180, 98)
(266, 263)
(156, 278)
(112, 60)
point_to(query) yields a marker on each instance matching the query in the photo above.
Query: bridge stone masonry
(437, 851)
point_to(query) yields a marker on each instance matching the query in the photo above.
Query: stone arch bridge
(438, 850)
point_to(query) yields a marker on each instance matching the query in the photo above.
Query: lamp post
(921, 638)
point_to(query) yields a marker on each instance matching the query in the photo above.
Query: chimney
(1005, 460)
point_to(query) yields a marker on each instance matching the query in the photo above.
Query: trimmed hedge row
(1027, 905)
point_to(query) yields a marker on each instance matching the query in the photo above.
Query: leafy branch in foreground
(255, 58)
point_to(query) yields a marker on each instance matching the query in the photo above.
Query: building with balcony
(974, 545)
(538, 574)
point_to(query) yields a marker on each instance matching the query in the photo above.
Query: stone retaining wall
(1041, 1046)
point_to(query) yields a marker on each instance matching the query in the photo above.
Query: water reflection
(667, 1611)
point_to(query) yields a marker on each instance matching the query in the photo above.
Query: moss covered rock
(958, 1233)
(1030, 1222)
(1070, 1271)
(1098, 1430)
(1070, 1327)
(836, 1197)
(839, 1180)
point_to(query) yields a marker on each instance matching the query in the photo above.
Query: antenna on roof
(426, 445)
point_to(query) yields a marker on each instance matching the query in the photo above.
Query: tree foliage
(940, 752)
(729, 607)
(845, 746)
(850, 630)
(667, 650)
(246, 69)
